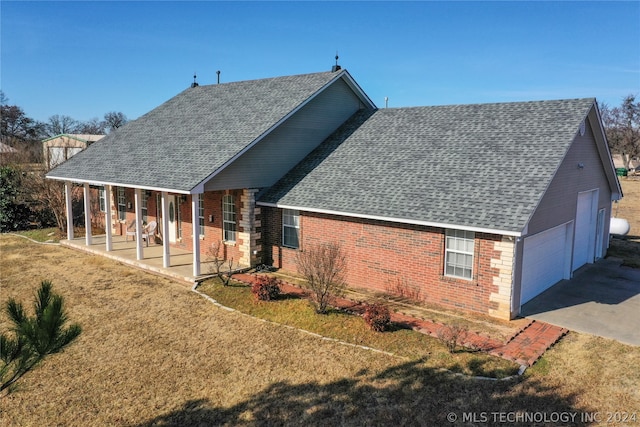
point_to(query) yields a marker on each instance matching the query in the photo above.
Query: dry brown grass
(154, 353)
(628, 248)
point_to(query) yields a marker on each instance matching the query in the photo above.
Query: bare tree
(324, 267)
(622, 126)
(61, 124)
(113, 120)
(20, 131)
(218, 261)
(93, 127)
(43, 194)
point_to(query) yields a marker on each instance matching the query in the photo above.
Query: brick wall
(402, 259)
(212, 230)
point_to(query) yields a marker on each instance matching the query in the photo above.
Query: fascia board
(355, 87)
(117, 184)
(605, 155)
(397, 220)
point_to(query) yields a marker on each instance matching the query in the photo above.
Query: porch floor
(124, 251)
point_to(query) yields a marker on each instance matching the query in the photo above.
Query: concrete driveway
(602, 299)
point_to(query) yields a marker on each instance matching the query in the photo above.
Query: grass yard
(154, 353)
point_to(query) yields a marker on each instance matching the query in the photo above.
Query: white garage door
(545, 261)
(56, 156)
(585, 234)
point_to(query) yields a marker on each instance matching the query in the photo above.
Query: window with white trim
(201, 213)
(145, 198)
(122, 204)
(291, 228)
(459, 248)
(228, 218)
(102, 199)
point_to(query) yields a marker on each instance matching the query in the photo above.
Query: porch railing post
(68, 208)
(87, 214)
(138, 207)
(166, 247)
(195, 221)
(107, 217)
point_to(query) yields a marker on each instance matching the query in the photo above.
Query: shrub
(377, 317)
(324, 268)
(266, 288)
(452, 336)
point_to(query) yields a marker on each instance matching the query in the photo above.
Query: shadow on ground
(408, 394)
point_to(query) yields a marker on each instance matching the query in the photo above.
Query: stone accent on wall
(503, 263)
(248, 235)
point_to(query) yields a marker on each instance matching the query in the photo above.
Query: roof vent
(336, 67)
(195, 83)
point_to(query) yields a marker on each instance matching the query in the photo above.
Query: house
(62, 147)
(619, 162)
(476, 207)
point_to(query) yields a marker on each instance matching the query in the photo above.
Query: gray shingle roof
(481, 166)
(181, 142)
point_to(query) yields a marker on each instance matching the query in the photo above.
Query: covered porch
(124, 251)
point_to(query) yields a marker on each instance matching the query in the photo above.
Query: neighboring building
(619, 162)
(7, 153)
(476, 207)
(60, 148)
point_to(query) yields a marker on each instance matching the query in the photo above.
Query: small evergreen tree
(34, 337)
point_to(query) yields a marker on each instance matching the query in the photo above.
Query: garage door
(585, 234)
(56, 156)
(545, 261)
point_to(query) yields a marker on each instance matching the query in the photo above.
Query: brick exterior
(382, 256)
(402, 259)
(246, 236)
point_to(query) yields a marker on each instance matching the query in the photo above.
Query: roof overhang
(396, 220)
(118, 184)
(603, 150)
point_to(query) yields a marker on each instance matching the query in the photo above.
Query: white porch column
(195, 220)
(87, 214)
(68, 208)
(166, 251)
(138, 202)
(107, 217)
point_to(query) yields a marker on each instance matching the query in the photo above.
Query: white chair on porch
(131, 231)
(149, 231)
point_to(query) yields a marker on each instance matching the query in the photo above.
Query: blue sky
(83, 59)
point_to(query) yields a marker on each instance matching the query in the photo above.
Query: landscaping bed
(337, 324)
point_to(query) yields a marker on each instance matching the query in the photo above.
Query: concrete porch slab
(124, 251)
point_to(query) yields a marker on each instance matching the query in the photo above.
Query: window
(145, 198)
(291, 228)
(228, 218)
(201, 213)
(459, 254)
(122, 204)
(102, 197)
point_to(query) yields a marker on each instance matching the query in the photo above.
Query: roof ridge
(270, 78)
